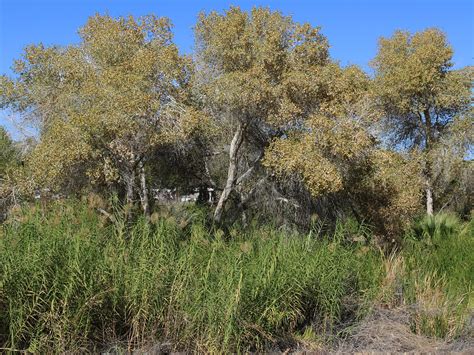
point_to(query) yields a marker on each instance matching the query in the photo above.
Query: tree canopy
(420, 96)
(103, 105)
(259, 113)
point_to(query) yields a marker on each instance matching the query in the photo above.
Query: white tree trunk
(429, 173)
(143, 190)
(231, 172)
(429, 201)
(130, 186)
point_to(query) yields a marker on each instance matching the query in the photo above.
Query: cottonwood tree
(103, 105)
(420, 95)
(334, 152)
(268, 77)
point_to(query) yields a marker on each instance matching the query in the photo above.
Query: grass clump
(440, 275)
(70, 281)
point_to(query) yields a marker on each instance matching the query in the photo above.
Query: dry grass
(434, 313)
(389, 331)
(384, 330)
(415, 314)
(391, 287)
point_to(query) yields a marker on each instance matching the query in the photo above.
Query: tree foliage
(332, 136)
(104, 104)
(8, 152)
(419, 94)
(260, 113)
(272, 78)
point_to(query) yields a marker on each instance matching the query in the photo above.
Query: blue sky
(352, 27)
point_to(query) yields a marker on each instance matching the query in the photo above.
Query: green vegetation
(71, 280)
(8, 152)
(441, 269)
(265, 196)
(259, 113)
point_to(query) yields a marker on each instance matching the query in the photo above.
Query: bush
(439, 226)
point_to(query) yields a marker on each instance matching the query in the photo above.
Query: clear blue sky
(352, 27)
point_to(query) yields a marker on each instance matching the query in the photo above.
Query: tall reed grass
(72, 280)
(69, 281)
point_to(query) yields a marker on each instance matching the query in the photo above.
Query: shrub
(442, 225)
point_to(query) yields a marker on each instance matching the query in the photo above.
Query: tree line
(259, 112)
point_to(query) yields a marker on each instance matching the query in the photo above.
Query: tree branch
(249, 171)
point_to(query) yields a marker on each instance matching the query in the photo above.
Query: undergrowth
(72, 280)
(440, 273)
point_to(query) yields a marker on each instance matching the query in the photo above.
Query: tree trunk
(130, 184)
(428, 168)
(231, 172)
(143, 190)
(429, 186)
(429, 200)
(129, 176)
